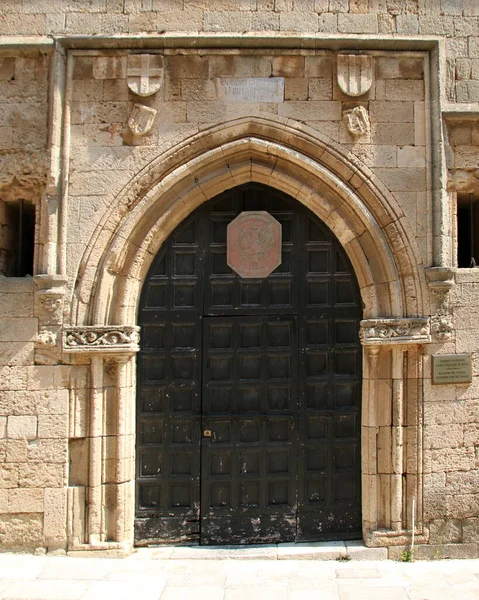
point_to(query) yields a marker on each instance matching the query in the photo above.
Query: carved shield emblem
(254, 244)
(355, 73)
(357, 120)
(141, 119)
(144, 73)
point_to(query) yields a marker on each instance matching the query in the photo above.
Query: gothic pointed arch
(290, 157)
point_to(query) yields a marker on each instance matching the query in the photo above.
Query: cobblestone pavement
(146, 577)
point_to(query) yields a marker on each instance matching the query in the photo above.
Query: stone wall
(454, 20)
(51, 401)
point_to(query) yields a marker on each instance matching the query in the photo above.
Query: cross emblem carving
(144, 73)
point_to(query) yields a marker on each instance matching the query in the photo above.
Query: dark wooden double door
(249, 390)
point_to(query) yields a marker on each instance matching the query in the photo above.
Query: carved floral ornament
(101, 339)
(442, 327)
(395, 331)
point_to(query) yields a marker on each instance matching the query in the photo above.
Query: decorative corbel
(49, 295)
(440, 281)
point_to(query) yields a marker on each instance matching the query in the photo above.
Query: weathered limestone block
(436, 551)
(444, 436)
(391, 111)
(18, 329)
(467, 91)
(17, 451)
(399, 134)
(25, 500)
(48, 377)
(399, 67)
(311, 110)
(9, 478)
(52, 426)
(79, 456)
(443, 531)
(22, 531)
(451, 459)
(109, 67)
(470, 530)
(22, 427)
(461, 506)
(434, 499)
(296, 88)
(465, 482)
(357, 23)
(15, 304)
(55, 516)
(48, 451)
(288, 66)
(41, 475)
(22, 174)
(443, 413)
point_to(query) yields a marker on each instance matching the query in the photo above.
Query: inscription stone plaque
(250, 89)
(253, 247)
(451, 368)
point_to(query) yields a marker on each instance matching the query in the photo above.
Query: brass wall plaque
(451, 368)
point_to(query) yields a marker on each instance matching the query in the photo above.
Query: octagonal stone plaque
(253, 247)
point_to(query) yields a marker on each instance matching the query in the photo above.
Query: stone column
(109, 489)
(391, 427)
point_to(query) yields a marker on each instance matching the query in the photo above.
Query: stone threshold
(340, 551)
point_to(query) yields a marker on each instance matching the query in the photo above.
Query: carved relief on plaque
(355, 73)
(141, 119)
(254, 244)
(144, 73)
(357, 121)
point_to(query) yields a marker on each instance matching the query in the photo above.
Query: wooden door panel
(249, 462)
(272, 367)
(168, 396)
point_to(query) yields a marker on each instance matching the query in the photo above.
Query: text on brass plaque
(451, 368)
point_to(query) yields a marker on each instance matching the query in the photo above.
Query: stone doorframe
(374, 232)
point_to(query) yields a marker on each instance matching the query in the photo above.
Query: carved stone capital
(49, 294)
(395, 331)
(104, 339)
(440, 279)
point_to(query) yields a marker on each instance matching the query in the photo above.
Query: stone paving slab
(27, 577)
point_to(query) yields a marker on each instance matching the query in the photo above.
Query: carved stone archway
(368, 222)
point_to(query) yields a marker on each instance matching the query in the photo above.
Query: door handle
(207, 433)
